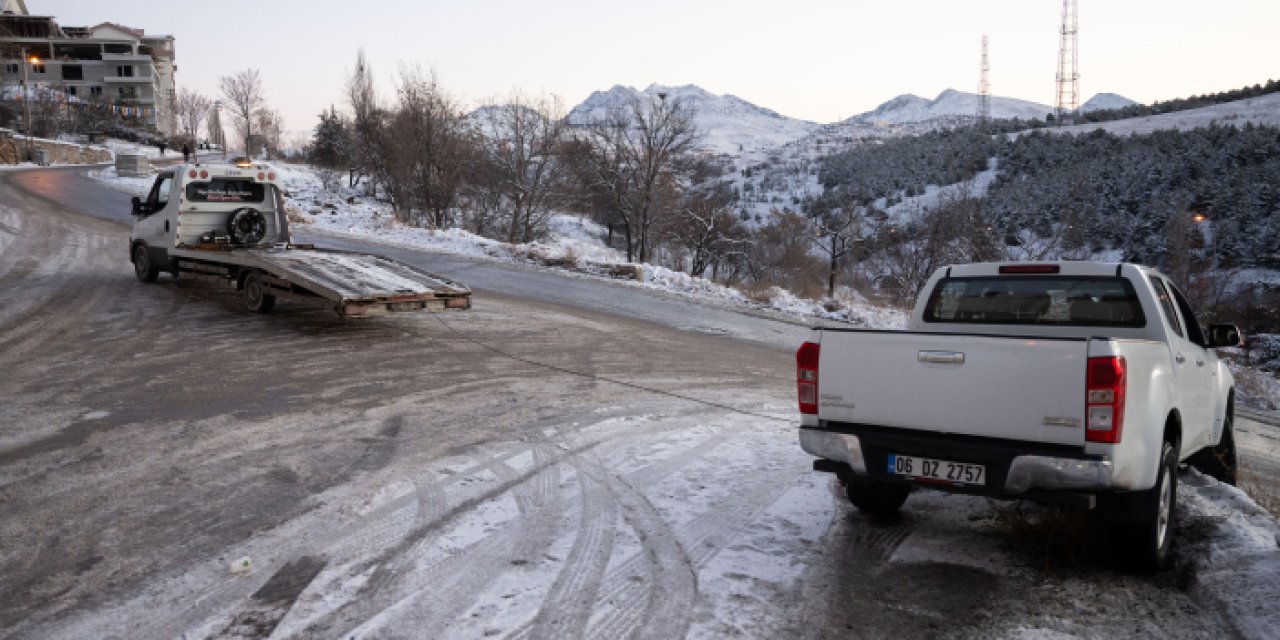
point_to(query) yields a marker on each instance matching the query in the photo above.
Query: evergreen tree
(330, 148)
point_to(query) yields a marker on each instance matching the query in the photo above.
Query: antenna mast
(984, 87)
(1067, 105)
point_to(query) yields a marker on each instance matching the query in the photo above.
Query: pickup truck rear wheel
(876, 497)
(1149, 538)
(143, 268)
(1219, 461)
(256, 297)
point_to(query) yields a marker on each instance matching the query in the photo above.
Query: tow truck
(228, 223)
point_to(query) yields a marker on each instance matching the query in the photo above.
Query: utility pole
(1067, 104)
(26, 100)
(984, 88)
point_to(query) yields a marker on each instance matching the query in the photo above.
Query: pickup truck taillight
(807, 377)
(1104, 401)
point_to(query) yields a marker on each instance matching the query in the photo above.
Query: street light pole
(222, 136)
(26, 100)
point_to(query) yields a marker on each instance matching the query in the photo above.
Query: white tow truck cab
(228, 222)
(210, 206)
(1075, 383)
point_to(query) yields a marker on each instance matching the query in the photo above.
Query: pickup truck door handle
(940, 357)
(1180, 358)
(1199, 362)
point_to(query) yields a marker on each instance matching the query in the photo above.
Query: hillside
(730, 125)
(949, 104)
(1263, 110)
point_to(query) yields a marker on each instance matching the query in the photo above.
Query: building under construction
(122, 71)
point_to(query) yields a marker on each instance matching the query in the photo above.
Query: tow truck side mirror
(1224, 335)
(137, 206)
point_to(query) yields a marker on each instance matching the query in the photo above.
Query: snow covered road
(541, 466)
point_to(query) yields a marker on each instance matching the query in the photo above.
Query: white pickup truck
(1074, 383)
(228, 222)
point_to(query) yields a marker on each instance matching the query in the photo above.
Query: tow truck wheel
(877, 497)
(256, 297)
(142, 266)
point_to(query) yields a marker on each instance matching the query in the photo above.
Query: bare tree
(243, 95)
(367, 121)
(953, 232)
(217, 136)
(191, 108)
(270, 127)
(703, 225)
(838, 229)
(522, 140)
(781, 254)
(631, 152)
(427, 150)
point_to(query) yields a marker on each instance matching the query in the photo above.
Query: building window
(71, 91)
(72, 72)
(95, 91)
(124, 70)
(11, 67)
(37, 68)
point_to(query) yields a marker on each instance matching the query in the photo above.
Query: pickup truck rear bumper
(1014, 469)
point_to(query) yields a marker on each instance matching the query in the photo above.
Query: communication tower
(1067, 106)
(984, 87)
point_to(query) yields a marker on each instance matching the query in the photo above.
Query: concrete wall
(14, 149)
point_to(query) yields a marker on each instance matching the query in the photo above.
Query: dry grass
(295, 215)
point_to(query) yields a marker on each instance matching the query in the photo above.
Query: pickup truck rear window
(220, 190)
(1040, 300)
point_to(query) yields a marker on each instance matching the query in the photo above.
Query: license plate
(405, 306)
(930, 470)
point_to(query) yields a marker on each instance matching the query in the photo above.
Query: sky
(819, 60)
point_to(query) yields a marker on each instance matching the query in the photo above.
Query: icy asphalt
(171, 465)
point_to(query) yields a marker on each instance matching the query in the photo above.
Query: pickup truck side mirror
(1224, 335)
(137, 206)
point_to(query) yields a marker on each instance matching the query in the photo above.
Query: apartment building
(110, 67)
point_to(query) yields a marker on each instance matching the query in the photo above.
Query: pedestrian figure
(186, 153)
(160, 145)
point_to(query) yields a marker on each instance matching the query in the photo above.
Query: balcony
(125, 57)
(128, 79)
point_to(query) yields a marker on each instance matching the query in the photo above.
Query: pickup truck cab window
(1038, 300)
(1166, 305)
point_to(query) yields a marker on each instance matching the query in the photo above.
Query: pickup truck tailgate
(1016, 388)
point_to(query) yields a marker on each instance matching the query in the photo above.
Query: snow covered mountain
(949, 104)
(1106, 101)
(728, 123)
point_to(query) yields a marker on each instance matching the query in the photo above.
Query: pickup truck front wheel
(256, 297)
(1219, 461)
(1149, 538)
(143, 267)
(876, 497)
